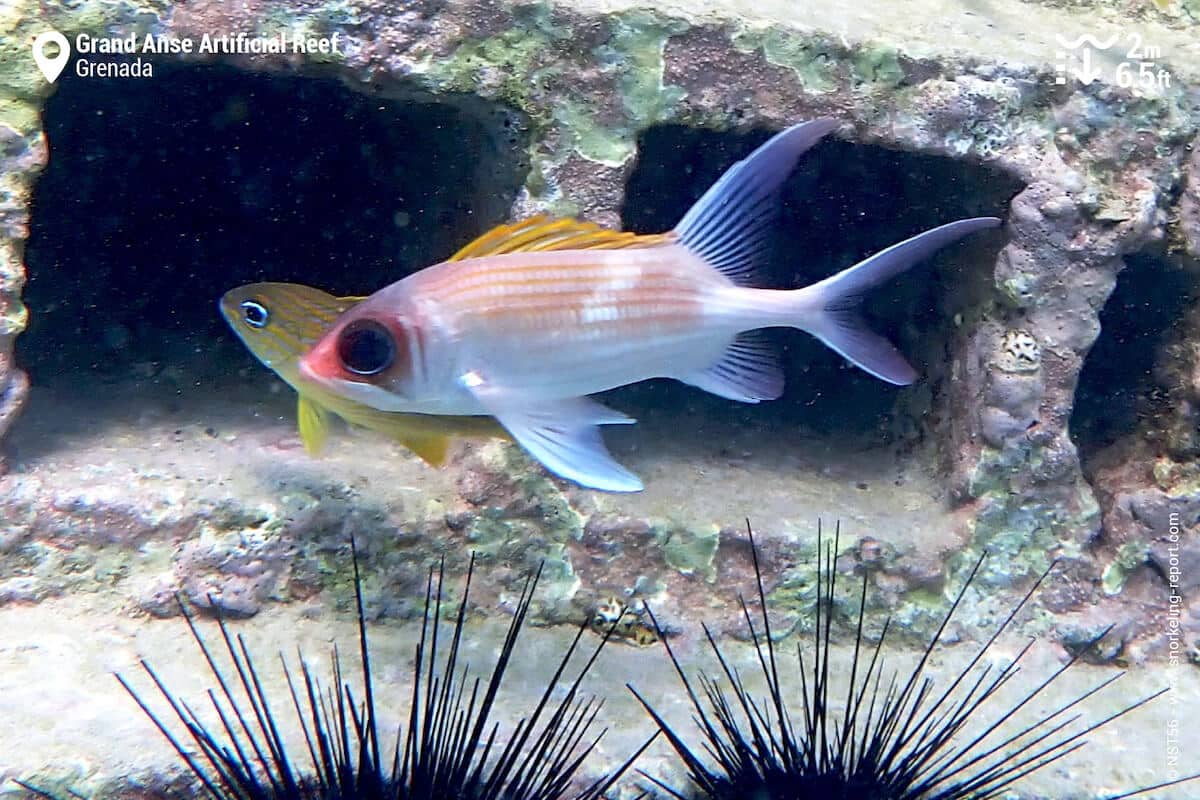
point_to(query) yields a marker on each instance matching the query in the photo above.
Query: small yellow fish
(279, 321)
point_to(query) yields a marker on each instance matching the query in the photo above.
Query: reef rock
(160, 460)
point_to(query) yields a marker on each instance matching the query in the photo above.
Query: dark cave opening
(161, 194)
(844, 202)
(1117, 389)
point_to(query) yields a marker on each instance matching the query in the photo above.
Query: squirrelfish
(528, 321)
(278, 322)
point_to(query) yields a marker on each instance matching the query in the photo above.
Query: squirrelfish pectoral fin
(564, 436)
(314, 425)
(541, 233)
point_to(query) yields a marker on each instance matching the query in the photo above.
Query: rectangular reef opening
(843, 203)
(162, 194)
(1125, 399)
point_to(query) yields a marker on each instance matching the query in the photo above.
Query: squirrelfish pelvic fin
(279, 321)
(535, 316)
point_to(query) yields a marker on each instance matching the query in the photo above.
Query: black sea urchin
(899, 738)
(450, 750)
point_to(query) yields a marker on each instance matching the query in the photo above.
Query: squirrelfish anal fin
(564, 435)
(748, 372)
(313, 421)
(429, 436)
(541, 233)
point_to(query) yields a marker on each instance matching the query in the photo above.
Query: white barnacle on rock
(1018, 352)
(610, 609)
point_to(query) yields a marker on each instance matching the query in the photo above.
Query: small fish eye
(366, 348)
(255, 314)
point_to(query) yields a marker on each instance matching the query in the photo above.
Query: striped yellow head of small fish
(278, 322)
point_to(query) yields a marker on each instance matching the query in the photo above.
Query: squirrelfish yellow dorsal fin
(540, 232)
(314, 425)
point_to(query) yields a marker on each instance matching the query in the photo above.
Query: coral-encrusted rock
(606, 532)
(1096, 168)
(158, 596)
(22, 155)
(1014, 391)
(1098, 162)
(1189, 205)
(1053, 281)
(233, 574)
(495, 477)
(1173, 423)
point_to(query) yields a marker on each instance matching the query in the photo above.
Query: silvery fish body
(526, 336)
(561, 325)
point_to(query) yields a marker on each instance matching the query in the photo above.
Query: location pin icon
(51, 66)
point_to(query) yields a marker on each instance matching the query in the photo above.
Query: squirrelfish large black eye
(255, 314)
(365, 347)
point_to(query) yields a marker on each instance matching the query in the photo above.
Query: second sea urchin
(896, 737)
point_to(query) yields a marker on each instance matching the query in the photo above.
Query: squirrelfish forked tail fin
(728, 228)
(828, 309)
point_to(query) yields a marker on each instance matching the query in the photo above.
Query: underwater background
(148, 456)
